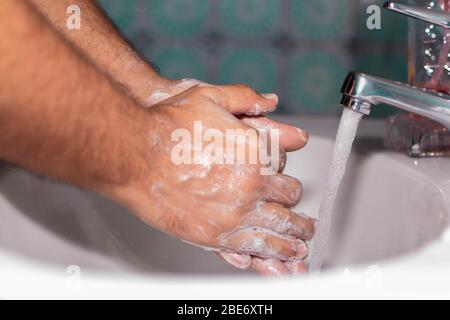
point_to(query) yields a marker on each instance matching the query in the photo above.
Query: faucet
(362, 91)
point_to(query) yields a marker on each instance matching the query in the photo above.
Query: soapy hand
(231, 209)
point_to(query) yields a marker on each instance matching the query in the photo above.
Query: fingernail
(303, 134)
(301, 249)
(270, 96)
(271, 109)
(311, 231)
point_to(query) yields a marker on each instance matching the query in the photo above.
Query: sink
(390, 206)
(386, 207)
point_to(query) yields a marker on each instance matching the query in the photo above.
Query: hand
(291, 139)
(289, 142)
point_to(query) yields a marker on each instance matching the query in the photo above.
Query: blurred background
(300, 49)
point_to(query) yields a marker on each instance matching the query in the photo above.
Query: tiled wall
(301, 49)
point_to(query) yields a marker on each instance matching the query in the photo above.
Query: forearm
(59, 116)
(103, 44)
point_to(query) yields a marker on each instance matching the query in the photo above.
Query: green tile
(121, 12)
(178, 18)
(250, 66)
(177, 63)
(250, 18)
(322, 20)
(315, 79)
(168, 31)
(384, 64)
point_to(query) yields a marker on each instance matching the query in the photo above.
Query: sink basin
(386, 207)
(390, 206)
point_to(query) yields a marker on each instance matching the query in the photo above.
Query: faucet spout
(362, 91)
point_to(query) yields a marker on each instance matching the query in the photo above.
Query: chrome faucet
(363, 91)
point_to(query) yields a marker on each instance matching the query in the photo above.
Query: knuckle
(246, 90)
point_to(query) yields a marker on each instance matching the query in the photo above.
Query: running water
(344, 140)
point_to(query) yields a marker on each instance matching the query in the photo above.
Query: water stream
(344, 140)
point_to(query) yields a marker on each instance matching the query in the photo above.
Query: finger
(291, 138)
(296, 268)
(239, 261)
(241, 99)
(277, 164)
(270, 267)
(282, 221)
(282, 189)
(262, 244)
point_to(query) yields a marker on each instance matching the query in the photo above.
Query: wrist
(137, 167)
(141, 81)
(125, 158)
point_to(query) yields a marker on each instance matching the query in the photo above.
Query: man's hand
(229, 208)
(250, 107)
(36, 122)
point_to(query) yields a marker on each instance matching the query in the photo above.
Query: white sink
(391, 206)
(387, 206)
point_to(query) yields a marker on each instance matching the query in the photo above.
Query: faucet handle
(440, 18)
